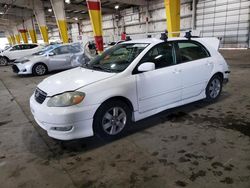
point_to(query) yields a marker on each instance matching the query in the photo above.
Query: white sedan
(129, 82)
(18, 51)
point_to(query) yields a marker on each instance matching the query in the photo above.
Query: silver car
(54, 57)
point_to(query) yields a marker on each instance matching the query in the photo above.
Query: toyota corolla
(128, 82)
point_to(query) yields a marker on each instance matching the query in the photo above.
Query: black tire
(4, 61)
(214, 88)
(100, 120)
(39, 69)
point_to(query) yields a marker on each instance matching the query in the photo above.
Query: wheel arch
(119, 98)
(220, 74)
(40, 63)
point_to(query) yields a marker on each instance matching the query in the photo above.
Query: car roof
(153, 40)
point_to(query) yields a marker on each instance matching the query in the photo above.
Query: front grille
(15, 69)
(40, 96)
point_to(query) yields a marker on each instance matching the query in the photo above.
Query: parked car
(129, 82)
(54, 57)
(18, 51)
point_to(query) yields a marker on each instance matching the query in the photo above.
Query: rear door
(196, 66)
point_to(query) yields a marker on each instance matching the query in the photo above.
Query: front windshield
(44, 50)
(117, 58)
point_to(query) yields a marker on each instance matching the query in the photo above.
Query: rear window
(190, 51)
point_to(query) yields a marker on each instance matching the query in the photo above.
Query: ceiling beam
(130, 2)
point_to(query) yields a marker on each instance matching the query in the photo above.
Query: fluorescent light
(49, 10)
(76, 18)
(67, 1)
(117, 7)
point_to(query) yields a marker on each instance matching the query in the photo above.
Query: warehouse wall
(227, 19)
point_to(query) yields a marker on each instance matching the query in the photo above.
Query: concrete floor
(198, 145)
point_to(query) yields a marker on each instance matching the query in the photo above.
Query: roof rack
(164, 36)
(128, 38)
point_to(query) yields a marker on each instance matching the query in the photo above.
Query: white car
(18, 51)
(129, 82)
(54, 57)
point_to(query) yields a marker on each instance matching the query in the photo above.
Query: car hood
(72, 80)
(30, 57)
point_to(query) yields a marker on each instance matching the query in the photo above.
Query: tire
(112, 119)
(4, 61)
(214, 88)
(39, 69)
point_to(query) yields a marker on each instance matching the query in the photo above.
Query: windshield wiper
(98, 67)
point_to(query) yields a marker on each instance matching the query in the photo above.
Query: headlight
(66, 99)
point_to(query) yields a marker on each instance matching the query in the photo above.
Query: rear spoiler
(211, 41)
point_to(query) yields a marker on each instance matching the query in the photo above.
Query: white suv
(128, 82)
(18, 51)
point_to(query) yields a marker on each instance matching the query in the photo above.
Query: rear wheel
(39, 69)
(112, 119)
(214, 88)
(4, 61)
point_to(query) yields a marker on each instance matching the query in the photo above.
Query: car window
(74, 49)
(61, 50)
(190, 51)
(17, 47)
(162, 55)
(117, 58)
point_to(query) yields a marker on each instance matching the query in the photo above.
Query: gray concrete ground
(197, 145)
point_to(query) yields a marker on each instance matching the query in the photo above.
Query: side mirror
(145, 67)
(51, 54)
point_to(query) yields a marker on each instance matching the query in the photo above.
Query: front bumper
(64, 123)
(21, 69)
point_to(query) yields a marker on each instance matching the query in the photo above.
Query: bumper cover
(79, 119)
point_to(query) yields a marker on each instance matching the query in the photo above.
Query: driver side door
(61, 58)
(162, 86)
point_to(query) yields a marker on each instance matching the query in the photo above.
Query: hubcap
(40, 69)
(214, 88)
(3, 61)
(114, 121)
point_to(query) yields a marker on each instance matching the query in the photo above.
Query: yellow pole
(24, 35)
(95, 14)
(44, 32)
(62, 24)
(32, 34)
(13, 39)
(9, 40)
(18, 39)
(173, 17)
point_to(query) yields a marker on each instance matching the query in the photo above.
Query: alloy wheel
(114, 121)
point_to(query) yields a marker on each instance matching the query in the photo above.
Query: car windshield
(43, 51)
(117, 58)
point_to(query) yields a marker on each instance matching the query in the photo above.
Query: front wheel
(39, 69)
(112, 119)
(4, 61)
(214, 88)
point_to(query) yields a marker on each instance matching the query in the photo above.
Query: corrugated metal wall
(228, 19)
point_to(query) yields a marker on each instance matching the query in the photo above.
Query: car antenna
(128, 38)
(188, 35)
(164, 36)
